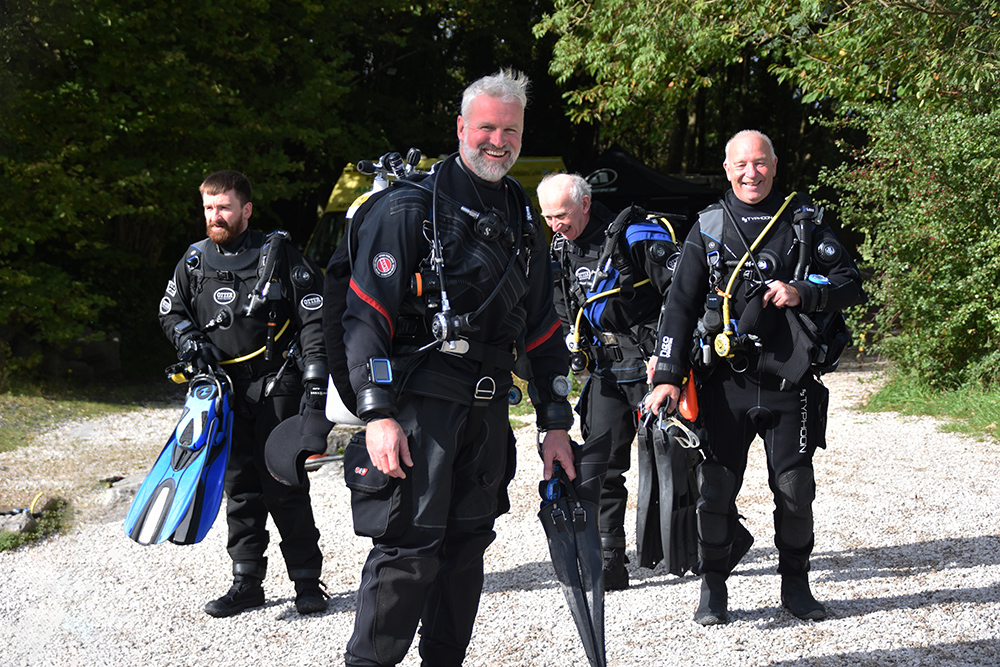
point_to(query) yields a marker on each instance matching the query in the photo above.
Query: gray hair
(578, 185)
(507, 85)
(743, 134)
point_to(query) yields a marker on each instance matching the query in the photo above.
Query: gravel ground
(907, 559)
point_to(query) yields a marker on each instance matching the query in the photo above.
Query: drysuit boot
(615, 574)
(714, 599)
(310, 598)
(798, 599)
(246, 592)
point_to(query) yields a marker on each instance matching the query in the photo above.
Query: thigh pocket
(380, 504)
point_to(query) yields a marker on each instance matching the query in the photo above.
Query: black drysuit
(426, 564)
(742, 396)
(618, 334)
(208, 282)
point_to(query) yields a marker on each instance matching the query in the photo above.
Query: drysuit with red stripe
(450, 400)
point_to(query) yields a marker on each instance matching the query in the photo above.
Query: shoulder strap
(270, 253)
(612, 233)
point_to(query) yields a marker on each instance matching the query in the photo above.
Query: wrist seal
(375, 402)
(315, 371)
(554, 415)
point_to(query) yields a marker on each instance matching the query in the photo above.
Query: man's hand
(388, 446)
(650, 369)
(781, 295)
(314, 396)
(665, 396)
(557, 447)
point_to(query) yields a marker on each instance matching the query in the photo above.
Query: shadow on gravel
(982, 652)
(908, 559)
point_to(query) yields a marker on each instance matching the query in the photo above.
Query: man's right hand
(199, 351)
(665, 396)
(388, 446)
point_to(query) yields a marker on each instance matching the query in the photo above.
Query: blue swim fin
(184, 486)
(204, 507)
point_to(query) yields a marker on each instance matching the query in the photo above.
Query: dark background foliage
(112, 111)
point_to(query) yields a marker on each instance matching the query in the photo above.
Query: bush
(922, 191)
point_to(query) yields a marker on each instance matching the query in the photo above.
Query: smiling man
(755, 266)
(431, 369)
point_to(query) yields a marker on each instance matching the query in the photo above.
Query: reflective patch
(312, 302)
(384, 265)
(165, 304)
(584, 276)
(171, 288)
(224, 295)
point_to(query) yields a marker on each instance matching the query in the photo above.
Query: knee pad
(400, 582)
(717, 487)
(797, 489)
(793, 516)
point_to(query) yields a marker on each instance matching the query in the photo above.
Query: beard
(225, 235)
(483, 167)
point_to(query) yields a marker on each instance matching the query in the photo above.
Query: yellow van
(352, 184)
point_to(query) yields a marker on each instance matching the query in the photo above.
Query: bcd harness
(267, 289)
(717, 335)
(429, 284)
(611, 276)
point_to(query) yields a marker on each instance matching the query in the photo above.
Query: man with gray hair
(609, 319)
(432, 315)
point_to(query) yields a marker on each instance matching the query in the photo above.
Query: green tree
(923, 188)
(112, 111)
(912, 84)
(111, 114)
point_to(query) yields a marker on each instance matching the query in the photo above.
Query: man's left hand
(314, 396)
(781, 295)
(557, 447)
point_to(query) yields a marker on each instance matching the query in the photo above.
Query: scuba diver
(760, 273)
(448, 274)
(613, 275)
(251, 303)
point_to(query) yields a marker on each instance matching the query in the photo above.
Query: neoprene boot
(245, 593)
(310, 598)
(798, 599)
(615, 574)
(714, 603)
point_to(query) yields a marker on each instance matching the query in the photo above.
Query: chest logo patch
(224, 296)
(384, 265)
(584, 276)
(312, 302)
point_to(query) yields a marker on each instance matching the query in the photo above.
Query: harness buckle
(607, 338)
(486, 388)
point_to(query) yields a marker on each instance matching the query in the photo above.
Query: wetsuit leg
(608, 424)
(394, 581)
(790, 445)
(246, 514)
(726, 398)
(434, 572)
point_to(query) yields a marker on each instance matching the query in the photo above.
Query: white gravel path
(907, 559)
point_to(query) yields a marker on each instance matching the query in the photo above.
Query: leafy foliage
(113, 112)
(914, 84)
(935, 51)
(922, 189)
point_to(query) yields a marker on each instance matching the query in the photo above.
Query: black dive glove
(314, 396)
(314, 379)
(198, 351)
